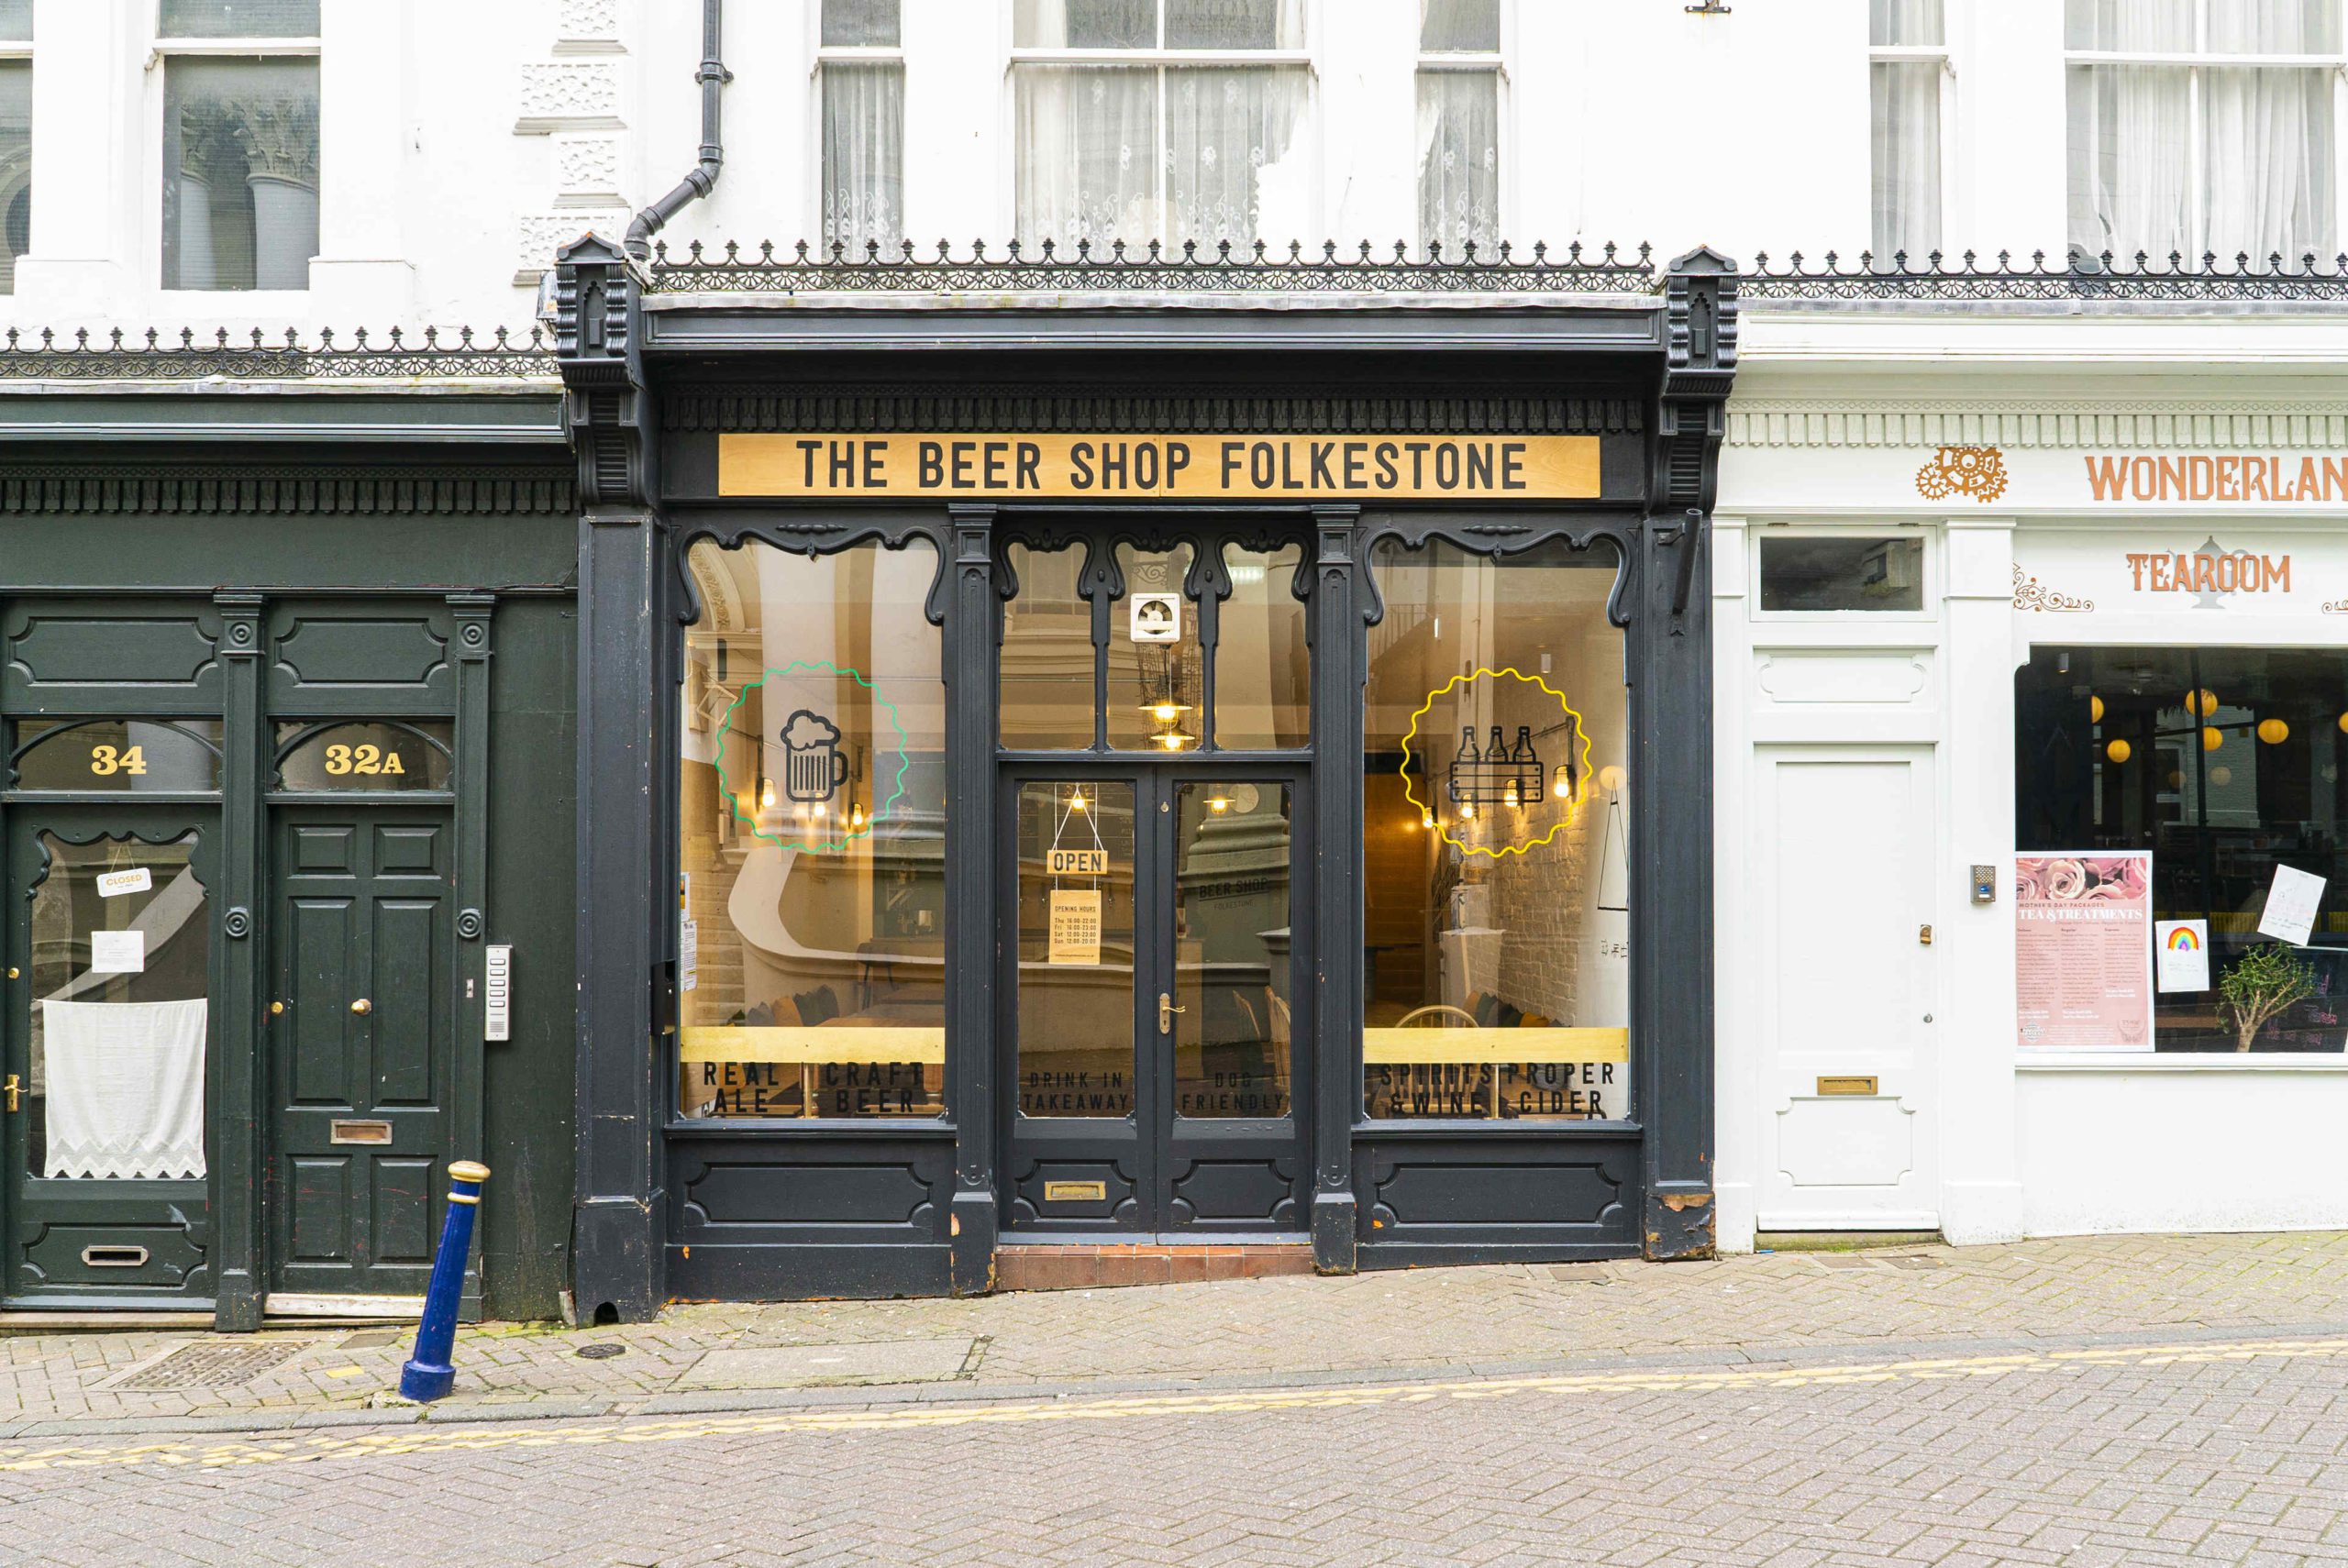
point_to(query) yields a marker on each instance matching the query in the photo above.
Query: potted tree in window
(2261, 983)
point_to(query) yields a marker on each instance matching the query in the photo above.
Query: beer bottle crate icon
(814, 767)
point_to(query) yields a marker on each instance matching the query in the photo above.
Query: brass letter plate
(1076, 1191)
(367, 1132)
(1846, 1086)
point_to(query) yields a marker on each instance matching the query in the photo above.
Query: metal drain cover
(209, 1364)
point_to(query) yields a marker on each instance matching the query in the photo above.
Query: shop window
(15, 137)
(1115, 646)
(1459, 124)
(1822, 573)
(1907, 58)
(376, 755)
(2176, 148)
(240, 143)
(1125, 131)
(862, 73)
(1263, 670)
(130, 756)
(812, 949)
(1497, 839)
(1156, 688)
(2193, 774)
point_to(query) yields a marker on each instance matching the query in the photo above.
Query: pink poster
(2083, 952)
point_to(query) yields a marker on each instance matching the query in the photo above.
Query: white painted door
(1846, 846)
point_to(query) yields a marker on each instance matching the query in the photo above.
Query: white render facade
(457, 147)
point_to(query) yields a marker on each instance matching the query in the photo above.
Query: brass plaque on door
(341, 1131)
(1846, 1086)
(1076, 1191)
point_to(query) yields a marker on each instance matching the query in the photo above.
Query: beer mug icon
(813, 767)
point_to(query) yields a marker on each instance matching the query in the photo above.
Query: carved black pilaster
(626, 952)
(1338, 652)
(973, 943)
(472, 612)
(1671, 784)
(239, 1263)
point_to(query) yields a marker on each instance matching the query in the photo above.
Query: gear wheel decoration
(1977, 471)
(829, 845)
(1577, 765)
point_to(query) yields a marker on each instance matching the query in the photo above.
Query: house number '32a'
(367, 759)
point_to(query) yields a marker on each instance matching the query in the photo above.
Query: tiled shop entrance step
(1042, 1266)
(807, 1366)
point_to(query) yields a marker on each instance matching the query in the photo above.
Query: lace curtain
(1098, 161)
(864, 154)
(2265, 139)
(1459, 160)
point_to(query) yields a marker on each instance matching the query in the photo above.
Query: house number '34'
(371, 760)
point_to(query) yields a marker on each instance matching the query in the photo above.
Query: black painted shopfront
(1056, 770)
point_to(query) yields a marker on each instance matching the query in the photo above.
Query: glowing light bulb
(766, 794)
(1513, 795)
(1218, 804)
(1562, 786)
(1077, 804)
(855, 815)
(1468, 812)
(1166, 712)
(1426, 818)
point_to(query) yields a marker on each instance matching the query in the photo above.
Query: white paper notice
(2291, 906)
(114, 884)
(119, 952)
(2181, 955)
(688, 954)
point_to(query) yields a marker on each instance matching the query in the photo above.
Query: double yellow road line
(346, 1443)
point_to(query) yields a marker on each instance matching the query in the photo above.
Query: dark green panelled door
(361, 1060)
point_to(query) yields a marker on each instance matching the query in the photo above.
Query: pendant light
(2274, 732)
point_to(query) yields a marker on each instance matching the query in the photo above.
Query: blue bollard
(428, 1374)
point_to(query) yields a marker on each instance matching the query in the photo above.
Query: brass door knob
(11, 1089)
(362, 1006)
(275, 1008)
(12, 971)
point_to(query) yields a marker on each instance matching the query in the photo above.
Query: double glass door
(1156, 1021)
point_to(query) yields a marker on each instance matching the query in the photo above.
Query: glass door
(103, 1098)
(1154, 1023)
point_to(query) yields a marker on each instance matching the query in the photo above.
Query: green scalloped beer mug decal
(813, 768)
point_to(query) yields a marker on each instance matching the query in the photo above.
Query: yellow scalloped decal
(1581, 780)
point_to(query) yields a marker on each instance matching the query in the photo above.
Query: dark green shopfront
(864, 778)
(287, 679)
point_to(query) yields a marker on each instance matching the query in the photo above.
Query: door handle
(1166, 1011)
(11, 1088)
(1925, 936)
(362, 1006)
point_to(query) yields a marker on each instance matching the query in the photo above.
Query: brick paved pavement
(2217, 1455)
(1504, 1317)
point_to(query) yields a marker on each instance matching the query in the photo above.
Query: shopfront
(1227, 771)
(263, 823)
(2071, 676)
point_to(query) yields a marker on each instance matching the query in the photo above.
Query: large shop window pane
(1074, 1011)
(1459, 160)
(1156, 688)
(1263, 667)
(813, 837)
(1497, 846)
(1047, 702)
(121, 988)
(239, 20)
(1812, 574)
(16, 167)
(861, 24)
(864, 154)
(240, 173)
(2221, 763)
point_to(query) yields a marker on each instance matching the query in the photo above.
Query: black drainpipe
(703, 179)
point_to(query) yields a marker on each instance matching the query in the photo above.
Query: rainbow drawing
(2182, 940)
